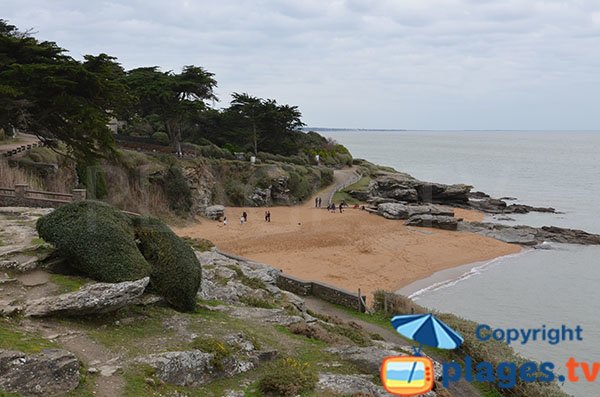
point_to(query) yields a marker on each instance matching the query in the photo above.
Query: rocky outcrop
(91, 299)
(52, 372)
(499, 206)
(349, 385)
(215, 212)
(405, 211)
(195, 367)
(435, 221)
(403, 187)
(527, 235)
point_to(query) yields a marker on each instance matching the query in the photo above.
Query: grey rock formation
(527, 235)
(261, 197)
(405, 211)
(403, 187)
(182, 368)
(273, 316)
(52, 372)
(9, 307)
(91, 299)
(436, 221)
(349, 385)
(215, 212)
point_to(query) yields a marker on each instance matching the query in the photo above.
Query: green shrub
(326, 176)
(176, 272)
(220, 350)
(178, 191)
(236, 192)
(93, 177)
(97, 239)
(161, 137)
(299, 186)
(288, 377)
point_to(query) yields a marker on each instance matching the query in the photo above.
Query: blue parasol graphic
(427, 330)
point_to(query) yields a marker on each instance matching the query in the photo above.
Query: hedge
(176, 273)
(97, 239)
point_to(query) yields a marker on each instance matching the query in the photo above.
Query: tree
(175, 98)
(251, 109)
(47, 93)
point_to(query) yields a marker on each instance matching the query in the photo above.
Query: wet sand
(352, 250)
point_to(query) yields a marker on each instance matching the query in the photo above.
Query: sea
(555, 286)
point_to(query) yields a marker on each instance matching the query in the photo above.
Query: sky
(406, 64)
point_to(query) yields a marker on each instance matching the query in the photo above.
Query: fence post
(21, 190)
(79, 194)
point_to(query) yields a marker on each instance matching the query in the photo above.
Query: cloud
(446, 64)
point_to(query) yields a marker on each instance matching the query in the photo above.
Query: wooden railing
(21, 195)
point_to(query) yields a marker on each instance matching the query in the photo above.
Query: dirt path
(457, 389)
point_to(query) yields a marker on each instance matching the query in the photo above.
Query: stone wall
(295, 285)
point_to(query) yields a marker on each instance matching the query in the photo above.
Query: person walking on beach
(242, 220)
(224, 221)
(245, 215)
(316, 202)
(333, 207)
(341, 207)
(268, 216)
(319, 202)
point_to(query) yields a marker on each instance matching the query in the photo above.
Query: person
(242, 220)
(341, 207)
(268, 216)
(332, 207)
(316, 202)
(319, 203)
(245, 215)
(224, 221)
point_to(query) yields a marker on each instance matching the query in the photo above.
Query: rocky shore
(397, 195)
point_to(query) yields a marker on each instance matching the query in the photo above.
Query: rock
(91, 299)
(182, 368)
(275, 316)
(369, 359)
(215, 212)
(527, 235)
(9, 308)
(403, 187)
(405, 211)
(109, 370)
(261, 197)
(349, 385)
(436, 221)
(49, 373)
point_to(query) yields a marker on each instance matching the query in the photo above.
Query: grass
(251, 282)
(11, 339)
(218, 348)
(199, 244)
(68, 283)
(344, 195)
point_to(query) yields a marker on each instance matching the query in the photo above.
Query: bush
(161, 137)
(299, 186)
(288, 377)
(97, 239)
(176, 272)
(178, 191)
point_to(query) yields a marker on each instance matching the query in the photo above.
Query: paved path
(341, 179)
(458, 389)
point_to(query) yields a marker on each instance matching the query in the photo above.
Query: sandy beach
(353, 249)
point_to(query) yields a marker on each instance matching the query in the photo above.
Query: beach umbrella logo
(413, 375)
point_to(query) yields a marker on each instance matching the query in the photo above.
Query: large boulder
(349, 385)
(49, 373)
(91, 299)
(436, 221)
(97, 240)
(403, 187)
(215, 212)
(405, 211)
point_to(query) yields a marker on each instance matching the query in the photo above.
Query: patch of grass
(355, 335)
(251, 282)
(219, 349)
(258, 302)
(199, 244)
(211, 302)
(11, 339)
(111, 331)
(288, 377)
(68, 283)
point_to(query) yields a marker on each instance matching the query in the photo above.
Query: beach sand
(351, 250)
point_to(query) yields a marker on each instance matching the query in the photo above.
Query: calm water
(552, 287)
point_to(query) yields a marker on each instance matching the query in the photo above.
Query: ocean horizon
(536, 287)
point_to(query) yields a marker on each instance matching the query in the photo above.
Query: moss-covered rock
(97, 239)
(176, 272)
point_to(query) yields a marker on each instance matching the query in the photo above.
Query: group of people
(317, 202)
(244, 218)
(331, 207)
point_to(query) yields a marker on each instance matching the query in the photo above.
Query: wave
(477, 269)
